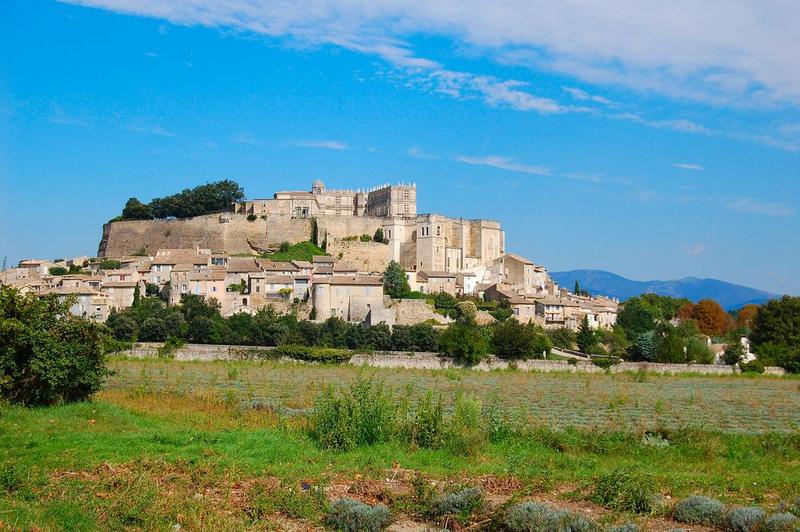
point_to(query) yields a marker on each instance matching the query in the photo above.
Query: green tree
(586, 337)
(636, 317)
(697, 351)
(644, 346)
(562, 337)
(122, 325)
(58, 270)
(47, 355)
(616, 341)
(379, 236)
(109, 264)
(671, 348)
(137, 295)
(395, 282)
(467, 311)
(775, 334)
(514, 341)
(465, 342)
(734, 353)
(136, 210)
(577, 289)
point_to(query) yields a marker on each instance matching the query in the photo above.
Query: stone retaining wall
(394, 359)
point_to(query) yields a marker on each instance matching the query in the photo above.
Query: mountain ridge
(730, 295)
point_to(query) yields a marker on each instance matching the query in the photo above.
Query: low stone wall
(395, 359)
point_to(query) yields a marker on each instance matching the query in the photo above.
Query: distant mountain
(730, 296)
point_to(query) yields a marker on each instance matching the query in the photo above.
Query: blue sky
(654, 141)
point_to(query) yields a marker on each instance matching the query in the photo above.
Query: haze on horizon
(655, 141)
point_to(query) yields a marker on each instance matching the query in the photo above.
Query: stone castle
(425, 242)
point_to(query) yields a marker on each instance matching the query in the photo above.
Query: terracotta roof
(519, 258)
(69, 290)
(270, 266)
(243, 265)
(302, 264)
(208, 275)
(323, 269)
(270, 278)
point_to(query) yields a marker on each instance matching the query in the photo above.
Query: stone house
(347, 297)
(438, 281)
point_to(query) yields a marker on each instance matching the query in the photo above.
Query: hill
(730, 296)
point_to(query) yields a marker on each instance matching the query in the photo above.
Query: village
(439, 254)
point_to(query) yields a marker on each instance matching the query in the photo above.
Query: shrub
(58, 270)
(252, 217)
(746, 519)
(754, 366)
(625, 490)
(734, 353)
(461, 503)
(350, 515)
(780, 522)
(109, 264)
(536, 517)
(366, 238)
(699, 510)
(515, 341)
(363, 414)
(47, 355)
(464, 342)
(312, 354)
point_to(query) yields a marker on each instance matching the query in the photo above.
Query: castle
(424, 242)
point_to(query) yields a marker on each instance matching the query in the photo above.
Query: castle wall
(237, 235)
(366, 256)
(332, 227)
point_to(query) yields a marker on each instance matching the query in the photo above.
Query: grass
(180, 443)
(300, 251)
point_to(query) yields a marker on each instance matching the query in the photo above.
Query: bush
(464, 342)
(625, 490)
(363, 414)
(47, 355)
(461, 503)
(734, 353)
(350, 515)
(699, 510)
(58, 270)
(780, 522)
(515, 341)
(754, 366)
(312, 354)
(109, 264)
(536, 517)
(252, 217)
(366, 238)
(746, 519)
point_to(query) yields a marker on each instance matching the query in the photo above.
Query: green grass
(172, 446)
(300, 251)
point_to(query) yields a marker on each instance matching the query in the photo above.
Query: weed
(11, 478)
(466, 434)
(626, 490)
(288, 500)
(428, 427)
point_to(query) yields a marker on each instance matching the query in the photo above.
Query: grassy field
(224, 446)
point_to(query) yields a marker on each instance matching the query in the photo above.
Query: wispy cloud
(503, 163)
(60, 117)
(245, 138)
(154, 129)
(688, 166)
(419, 153)
(322, 144)
(766, 208)
(694, 249)
(582, 95)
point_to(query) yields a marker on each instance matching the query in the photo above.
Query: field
(225, 446)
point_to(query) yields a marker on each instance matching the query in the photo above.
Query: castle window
(438, 230)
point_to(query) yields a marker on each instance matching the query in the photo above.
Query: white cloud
(699, 49)
(694, 249)
(323, 144)
(582, 95)
(419, 153)
(503, 163)
(688, 166)
(154, 129)
(766, 208)
(245, 138)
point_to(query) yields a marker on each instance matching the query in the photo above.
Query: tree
(204, 199)
(136, 210)
(586, 338)
(47, 355)
(616, 341)
(711, 318)
(515, 341)
(137, 295)
(671, 349)
(153, 330)
(734, 353)
(58, 270)
(562, 337)
(746, 315)
(395, 282)
(775, 334)
(467, 311)
(122, 326)
(379, 236)
(464, 342)
(697, 351)
(644, 346)
(637, 317)
(577, 289)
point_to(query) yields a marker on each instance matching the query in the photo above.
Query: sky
(656, 140)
